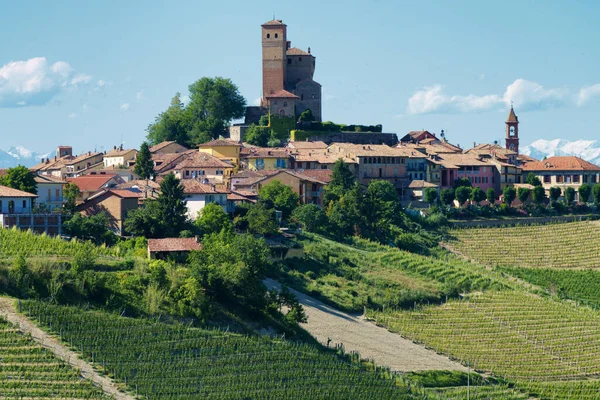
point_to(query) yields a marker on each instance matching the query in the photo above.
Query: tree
(282, 197)
(462, 182)
(462, 194)
(146, 220)
(261, 220)
(93, 228)
(212, 219)
(533, 180)
(380, 207)
(490, 195)
(539, 194)
(169, 125)
(569, 196)
(258, 135)
(70, 193)
(509, 193)
(306, 116)
(523, 194)
(172, 205)
(342, 179)
(311, 216)
(477, 195)
(20, 178)
(447, 196)
(555, 193)
(585, 191)
(596, 192)
(144, 166)
(430, 195)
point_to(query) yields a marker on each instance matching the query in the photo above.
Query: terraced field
(547, 346)
(568, 245)
(29, 371)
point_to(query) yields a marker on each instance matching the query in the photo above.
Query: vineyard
(568, 245)
(548, 346)
(477, 393)
(27, 370)
(161, 361)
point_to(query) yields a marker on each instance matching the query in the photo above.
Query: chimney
(89, 153)
(54, 158)
(474, 144)
(114, 147)
(42, 160)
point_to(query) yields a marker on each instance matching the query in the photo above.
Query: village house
(307, 145)
(259, 158)
(90, 184)
(564, 172)
(457, 166)
(116, 203)
(198, 195)
(168, 147)
(65, 165)
(319, 159)
(50, 192)
(119, 158)
(178, 248)
(13, 201)
(205, 167)
(223, 149)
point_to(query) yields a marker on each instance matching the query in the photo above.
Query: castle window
(313, 95)
(268, 36)
(301, 97)
(285, 103)
(299, 58)
(289, 61)
(276, 36)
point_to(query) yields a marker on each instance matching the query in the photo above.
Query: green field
(567, 245)
(28, 371)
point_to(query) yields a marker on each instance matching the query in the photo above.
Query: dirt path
(8, 312)
(369, 340)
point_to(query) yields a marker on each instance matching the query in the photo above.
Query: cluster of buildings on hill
(230, 171)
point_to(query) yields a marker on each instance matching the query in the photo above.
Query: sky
(95, 74)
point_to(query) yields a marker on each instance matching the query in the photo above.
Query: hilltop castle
(288, 85)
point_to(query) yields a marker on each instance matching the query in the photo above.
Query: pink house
(457, 166)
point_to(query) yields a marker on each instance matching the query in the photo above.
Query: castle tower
(512, 131)
(274, 46)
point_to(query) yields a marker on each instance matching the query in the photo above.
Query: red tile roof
(281, 94)
(265, 152)
(161, 146)
(512, 117)
(192, 186)
(89, 183)
(220, 142)
(307, 145)
(126, 194)
(273, 22)
(319, 175)
(173, 244)
(561, 163)
(47, 179)
(202, 160)
(5, 191)
(294, 51)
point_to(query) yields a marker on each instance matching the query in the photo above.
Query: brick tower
(274, 44)
(512, 131)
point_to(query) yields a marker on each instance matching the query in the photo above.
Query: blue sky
(88, 73)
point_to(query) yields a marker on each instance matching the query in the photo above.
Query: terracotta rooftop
(5, 191)
(319, 175)
(281, 94)
(237, 197)
(307, 145)
(173, 244)
(89, 183)
(161, 146)
(47, 179)
(320, 156)
(202, 160)
(294, 51)
(512, 117)
(265, 152)
(561, 163)
(139, 183)
(274, 22)
(192, 186)
(419, 184)
(377, 150)
(81, 157)
(220, 142)
(118, 152)
(165, 162)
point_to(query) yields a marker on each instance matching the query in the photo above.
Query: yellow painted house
(260, 158)
(225, 150)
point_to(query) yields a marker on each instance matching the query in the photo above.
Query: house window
(546, 178)
(50, 194)
(299, 59)
(24, 204)
(201, 172)
(323, 166)
(276, 36)
(280, 163)
(289, 61)
(268, 36)
(187, 172)
(575, 178)
(285, 103)
(301, 97)
(57, 194)
(219, 172)
(559, 178)
(0, 206)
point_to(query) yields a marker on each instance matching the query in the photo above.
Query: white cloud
(72, 115)
(140, 95)
(124, 107)
(35, 81)
(526, 96)
(587, 93)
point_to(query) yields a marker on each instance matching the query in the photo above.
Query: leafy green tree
(258, 135)
(430, 195)
(94, 228)
(555, 193)
(585, 192)
(596, 193)
(462, 194)
(447, 196)
(539, 194)
(20, 178)
(306, 116)
(170, 125)
(342, 179)
(490, 195)
(261, 220)
(172, 205)
(212, 219)
(533, 180)
(282, 197)
(341, 218)
(146, 220)
(311, 216)
(523, 194)
(569, 196)
(477, 195)
(144, 166)
(70, 193)
(510, 194)
(381, 207)
(462, 182)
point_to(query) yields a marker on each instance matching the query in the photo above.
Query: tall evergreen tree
(144, 166)
(342, 180)
(172, 205)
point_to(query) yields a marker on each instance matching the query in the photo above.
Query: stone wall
(391, 139)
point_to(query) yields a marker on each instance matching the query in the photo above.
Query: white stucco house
(200, 194)
(119, 157)
(13, 201)
(50, 192)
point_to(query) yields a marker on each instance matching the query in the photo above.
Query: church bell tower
(512, 131)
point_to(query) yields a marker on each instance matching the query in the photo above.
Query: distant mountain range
(19, 155)
(589, 150)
